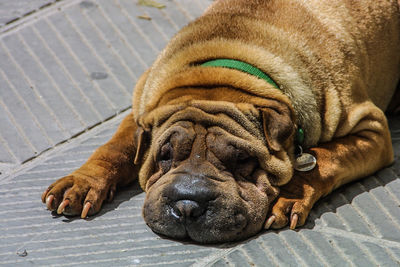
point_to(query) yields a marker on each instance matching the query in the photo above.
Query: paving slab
(66, 73)
(72, 64)
(11, 11)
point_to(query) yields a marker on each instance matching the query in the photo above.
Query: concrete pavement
(66, 73)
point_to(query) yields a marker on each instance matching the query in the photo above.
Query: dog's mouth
(197, 221)
(204, 209)
(197, 228)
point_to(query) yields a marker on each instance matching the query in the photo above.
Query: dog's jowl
(252, 113)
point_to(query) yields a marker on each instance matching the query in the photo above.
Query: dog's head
(213, 168)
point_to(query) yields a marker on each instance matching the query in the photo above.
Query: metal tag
(305, 162)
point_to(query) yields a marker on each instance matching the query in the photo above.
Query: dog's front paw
(293, 205)
(285, 210)
(77, 194)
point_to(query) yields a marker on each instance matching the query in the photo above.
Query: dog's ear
(141, 143)
(277, 124)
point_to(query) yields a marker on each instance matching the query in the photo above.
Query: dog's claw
(44, 195)
(85, 210)
(62, 206)
(293, 221)
(49, 202)
(269, 222)
(110, 195)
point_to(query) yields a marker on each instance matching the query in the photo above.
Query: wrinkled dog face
(205, 180)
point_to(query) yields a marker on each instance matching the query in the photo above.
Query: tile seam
(28, 110)
(18, 189)
(121, 209)
(79, 63)
(203, 7)
(293, 252)
(340, 251)
(122, 37)
(64, 145)
(227, 261)
(96, 55)
(32, 12)
(34, 236)
(45, 216)
(66, 72)
(108, 260)
(213, 257)
(19, 129)
(338, 216)
(168, 17)
(53, 82)
(381, 207)
(366, 252)
(51, 163)
(20, 202)
(36, 93)
(154, 23)
(98, 253)
(56, 169)
(392, 195)
(110, 46)
(313, 248)
(82, 237)
(26, 21)
(103, 243)
(118, 209)
(133, 23)
(357, 237)
(12, 154)
(105, 220)
(241, 249)
(37, 179)
(183, 11)
(66, 231)
(273, 258)
(359, 211)
(159, 29)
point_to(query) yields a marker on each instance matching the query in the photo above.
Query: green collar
(250, 69)
(242, 66)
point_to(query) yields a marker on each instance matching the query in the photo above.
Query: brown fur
(337, 64)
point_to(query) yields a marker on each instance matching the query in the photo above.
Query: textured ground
(66, 73)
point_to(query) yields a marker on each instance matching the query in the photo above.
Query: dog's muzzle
(193, 207)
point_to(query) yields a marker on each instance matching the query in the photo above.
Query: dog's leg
(365, 150)
(111, 165)
(116, 163)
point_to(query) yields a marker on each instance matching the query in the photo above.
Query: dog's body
(213, 147)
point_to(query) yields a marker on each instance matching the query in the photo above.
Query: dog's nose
(187, 209)
(191, 188)
(189, 196)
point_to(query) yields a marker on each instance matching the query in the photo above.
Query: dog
(251, 114)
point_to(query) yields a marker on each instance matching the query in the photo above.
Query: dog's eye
(245, 164)
(166, 152)
(242, 157)
(165, 157)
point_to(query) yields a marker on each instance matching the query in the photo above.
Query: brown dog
(212, 135)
